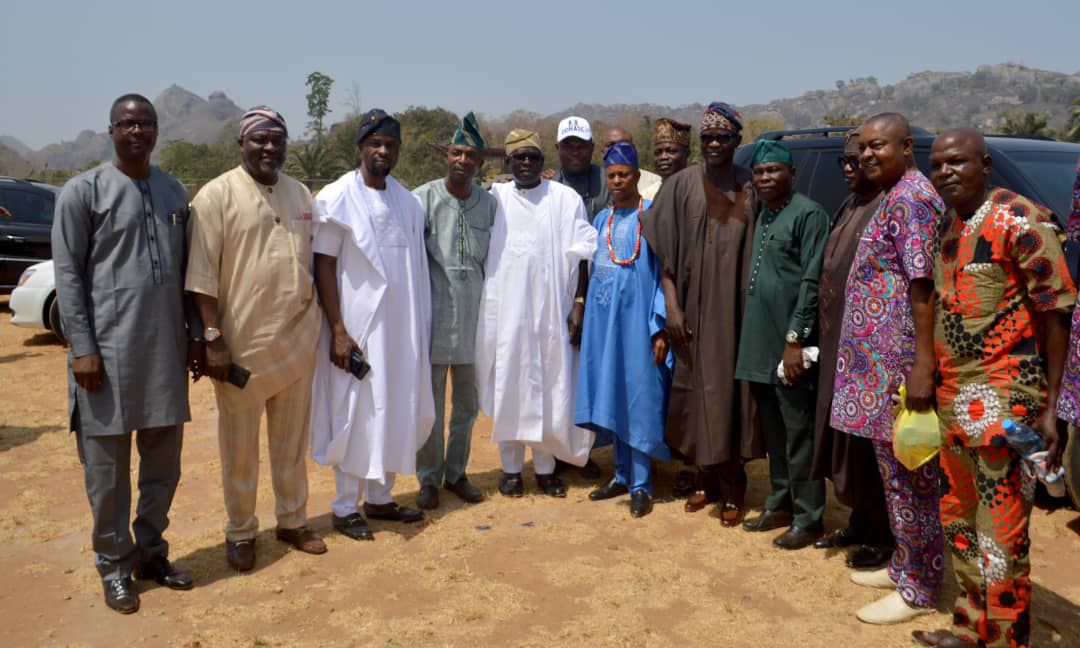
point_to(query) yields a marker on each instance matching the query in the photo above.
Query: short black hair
(131, 96)
(894, 119)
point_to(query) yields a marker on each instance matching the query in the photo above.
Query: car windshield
(1052, 173)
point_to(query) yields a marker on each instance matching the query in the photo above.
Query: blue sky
(63, 62)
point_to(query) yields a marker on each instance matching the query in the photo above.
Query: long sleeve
(812, 238)
(204, 258)
(72, 234)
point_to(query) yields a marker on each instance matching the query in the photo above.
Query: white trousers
(351, 489)
(512, 454)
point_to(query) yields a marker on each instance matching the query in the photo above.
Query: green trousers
(437, 461)
(787, 422)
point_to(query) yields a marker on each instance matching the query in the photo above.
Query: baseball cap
(575, 127)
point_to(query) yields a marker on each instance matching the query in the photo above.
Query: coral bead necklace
(637, 243)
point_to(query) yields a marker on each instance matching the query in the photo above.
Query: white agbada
(525, 367)
(373, 427)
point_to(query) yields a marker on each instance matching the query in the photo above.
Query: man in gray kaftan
(119, 244)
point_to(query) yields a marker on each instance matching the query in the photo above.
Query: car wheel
(52, 319)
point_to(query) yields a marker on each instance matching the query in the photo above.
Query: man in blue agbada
(625, 369)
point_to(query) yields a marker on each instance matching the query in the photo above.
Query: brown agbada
(702, 237)
(841, 457)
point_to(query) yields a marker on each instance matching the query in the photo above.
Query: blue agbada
(620, 392)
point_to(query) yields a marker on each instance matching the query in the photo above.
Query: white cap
(575, 127)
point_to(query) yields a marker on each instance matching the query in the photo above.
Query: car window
(828, 188)
(28, 207)
(1051, 172)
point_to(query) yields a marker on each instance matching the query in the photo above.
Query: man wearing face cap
(700, 229)
(250, 276)
(780, 319)
(575, 145)
(457, 228)
(371, 268)
(525, 364)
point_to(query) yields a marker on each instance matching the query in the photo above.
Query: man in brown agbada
(700, 230)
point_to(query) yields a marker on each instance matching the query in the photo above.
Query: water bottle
(1029, 445)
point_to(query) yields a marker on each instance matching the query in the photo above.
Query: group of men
(707, 313)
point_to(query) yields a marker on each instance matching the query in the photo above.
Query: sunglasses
(527, 157)
(128, 125)
(844, 161)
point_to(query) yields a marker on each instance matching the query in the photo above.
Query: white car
(33, 302)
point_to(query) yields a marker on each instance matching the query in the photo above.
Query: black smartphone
(238, 375)
(358, 366)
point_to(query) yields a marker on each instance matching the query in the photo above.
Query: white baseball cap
(575, 127)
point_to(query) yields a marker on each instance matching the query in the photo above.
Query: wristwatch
(792, 337)
(210, 333)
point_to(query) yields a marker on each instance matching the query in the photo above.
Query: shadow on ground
(13, 437)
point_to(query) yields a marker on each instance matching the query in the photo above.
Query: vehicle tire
(52, 318)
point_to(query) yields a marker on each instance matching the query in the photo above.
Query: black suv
(26, 216)
(1040, 169)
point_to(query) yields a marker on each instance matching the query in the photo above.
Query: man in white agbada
(372, 275)
(531, 314)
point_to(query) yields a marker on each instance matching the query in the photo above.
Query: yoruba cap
(770, 151)
(377, 122)
(721, 115)
(262, 118)
(574, 127)
(468, 133)
(621, 153)
(520, 138)
(669, 130)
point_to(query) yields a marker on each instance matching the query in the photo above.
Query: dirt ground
(527, 572)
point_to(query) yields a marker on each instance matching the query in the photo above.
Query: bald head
(960, 169)
(616, 134)
(886, 149)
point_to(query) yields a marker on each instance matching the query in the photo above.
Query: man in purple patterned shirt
(886, 339)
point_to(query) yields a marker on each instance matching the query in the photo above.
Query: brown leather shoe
(696, 502)
(731, 514)
(303, 538)
(240, 554)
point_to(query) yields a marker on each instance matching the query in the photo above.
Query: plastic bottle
(1029, 445)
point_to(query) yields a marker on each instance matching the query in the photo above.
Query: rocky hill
(933, 100)
(181, 115)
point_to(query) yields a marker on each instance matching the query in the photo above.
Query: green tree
(842, 118)
(196, 164)
(1028, 123)
(643, 142)
(420, 126)
(1071, 133)
(318, 102)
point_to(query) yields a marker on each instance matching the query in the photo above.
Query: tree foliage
(318, 101)
(1028, 123)
(842, 118)
(420, 126)
(1071, 132)
(196, 164)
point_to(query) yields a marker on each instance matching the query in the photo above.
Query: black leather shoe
(392, 512)
(868, 557)
(799, 537)
(611, 489)
(428, 498)
(685, 484)
(551, 485)
(768, 521)
(161, 571)
(121, 596)
(240, 554)
(510, 485)
(591, 470)
(466, 491)
(839, 538)
(353, 526)
(640, 504)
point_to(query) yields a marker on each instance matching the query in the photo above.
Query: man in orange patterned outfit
(1001, 334)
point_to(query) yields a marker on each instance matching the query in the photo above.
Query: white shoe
(878, 579)
(891, 609)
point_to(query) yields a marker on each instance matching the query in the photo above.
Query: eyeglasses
(528, 157)
(128, 125)
(844, 161)
(722, 138)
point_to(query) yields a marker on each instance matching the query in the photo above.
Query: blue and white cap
(575, 127)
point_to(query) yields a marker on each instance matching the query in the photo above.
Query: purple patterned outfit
(1069, 398)
(877, 349)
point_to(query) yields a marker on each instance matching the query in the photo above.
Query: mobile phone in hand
(358, 366)
(238, 375)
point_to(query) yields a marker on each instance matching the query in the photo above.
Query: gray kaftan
(119, 248)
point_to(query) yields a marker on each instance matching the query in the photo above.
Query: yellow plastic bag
(916, 435)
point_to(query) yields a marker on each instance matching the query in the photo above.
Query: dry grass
(527, 572)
